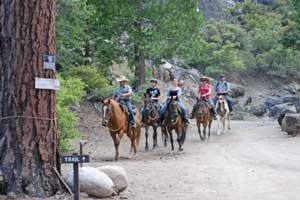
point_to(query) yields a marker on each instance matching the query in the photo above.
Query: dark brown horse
(204, 117)
(116, 119)
(173, 121)
(151, 118)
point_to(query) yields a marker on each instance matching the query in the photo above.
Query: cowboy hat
(153, 80)
(122, 78)
(205, 78)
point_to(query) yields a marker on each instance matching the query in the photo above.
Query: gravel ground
(253, 161)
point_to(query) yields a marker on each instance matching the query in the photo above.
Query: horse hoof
(146, 148)
(180, 149)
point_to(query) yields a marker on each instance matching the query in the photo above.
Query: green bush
(71, 91)
(90, 75)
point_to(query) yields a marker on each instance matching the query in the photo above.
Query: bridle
(107, 116)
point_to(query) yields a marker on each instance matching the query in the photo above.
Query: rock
(75, 107)
(290, 122)
(276, 110)
(258, 110)
(166, 75)
(118, 175)
(280, 118)
(241, 115)
(293, 88)
(295, 100)
(272, 101)
(236, 90)
(93, 182)
(166, 65)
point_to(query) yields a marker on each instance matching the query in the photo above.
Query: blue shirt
(123, 90)
(222, 86)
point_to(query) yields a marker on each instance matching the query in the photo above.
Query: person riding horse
(204, 93)
(123, 95)
(174, 92)
(154, 93)
(222, 88)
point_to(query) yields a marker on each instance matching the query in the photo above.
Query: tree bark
(139, 55)
(140, 67)
(28, 126)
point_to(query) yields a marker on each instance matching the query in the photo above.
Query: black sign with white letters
(76, 159)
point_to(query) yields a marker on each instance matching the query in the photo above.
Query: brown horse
(151, 118)
(116, 119)
(204, 117)
(173, 121)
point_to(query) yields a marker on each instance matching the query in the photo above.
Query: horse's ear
(102, 101)
(108, 101)
(145, 95)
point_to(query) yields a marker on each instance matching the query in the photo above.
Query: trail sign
(75, 159)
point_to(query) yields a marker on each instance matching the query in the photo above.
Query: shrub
(72, 91)
(90, 75)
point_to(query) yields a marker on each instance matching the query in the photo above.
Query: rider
(154, 93)
(123, 93)
(204, 93)
(222, 88)
(177, 91)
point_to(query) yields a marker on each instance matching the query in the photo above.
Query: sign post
(75, 159)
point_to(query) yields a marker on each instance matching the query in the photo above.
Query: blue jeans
(182, 107)
(228, 99)
(130, 110)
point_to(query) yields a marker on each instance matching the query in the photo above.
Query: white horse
(223, 114)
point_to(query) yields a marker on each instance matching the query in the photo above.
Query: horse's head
(173, 109)
(147, 102)
(221, 104)
(202, 107)
(107, 111)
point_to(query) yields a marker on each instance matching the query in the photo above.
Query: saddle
(125, 109)
(205, 101)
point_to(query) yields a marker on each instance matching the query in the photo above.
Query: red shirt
(204, 89)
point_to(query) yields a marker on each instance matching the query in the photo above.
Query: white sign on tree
(47, 83)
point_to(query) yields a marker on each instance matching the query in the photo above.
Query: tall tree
(28, 127)
(155, 29)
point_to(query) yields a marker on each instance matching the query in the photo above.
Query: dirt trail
(254, 161)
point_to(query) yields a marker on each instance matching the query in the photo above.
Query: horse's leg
(199, 131)
(179, 139)
(154, 136)
(146, 134)
(171, 140)
(228, 118)
(116, 140)
(209, 127)
(219, 124)
(164, 135)
(204, 129)
(224, 123)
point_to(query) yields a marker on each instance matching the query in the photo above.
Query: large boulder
(293, 88)
(93, 182)
(236, 90)
(258, 110)
(295, 100)
(290, 123)
(271, 101)
(284, 108)
(118, 175)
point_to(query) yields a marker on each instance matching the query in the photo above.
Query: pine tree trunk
(140, 67)
(28, 127)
